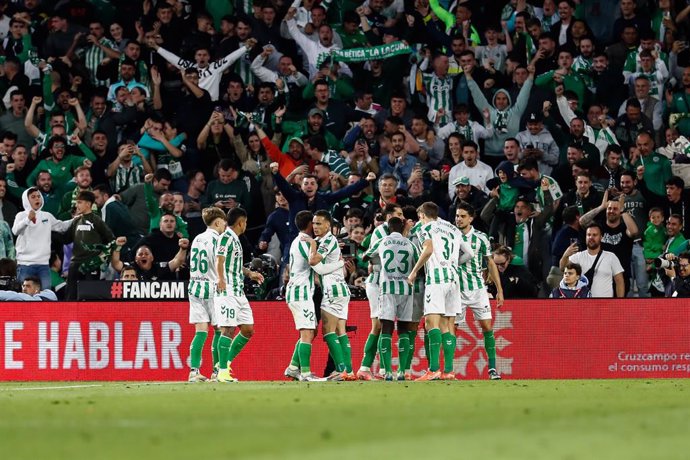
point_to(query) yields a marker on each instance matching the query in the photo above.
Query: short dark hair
(162, 173)
(469, 143)
(529, 164)
(102, 188)
(324, 215)
(596, 225)
(303, 219)
(86, 195)
(396, 224)
(574, 266)
(389, 209)
(570, 215)
(236, 214)
(676, 181)
(34, 279)
(465, 206)
(318, 142)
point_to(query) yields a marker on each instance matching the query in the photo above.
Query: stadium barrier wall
(147, 341)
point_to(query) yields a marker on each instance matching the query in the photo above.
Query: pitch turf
(554, 419)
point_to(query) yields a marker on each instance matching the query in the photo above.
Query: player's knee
(247, 331)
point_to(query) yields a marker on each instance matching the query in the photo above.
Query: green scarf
(371, 53)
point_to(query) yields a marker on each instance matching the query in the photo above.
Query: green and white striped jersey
(229, 246)
(94, 56)
(470, 273)
(301, 284)
(202, 265)
(378, 233)
(438, 94)
(333, 284)
(441, 267)
(398, 256)
(414, 238)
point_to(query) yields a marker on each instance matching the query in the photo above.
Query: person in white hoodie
(32, 228)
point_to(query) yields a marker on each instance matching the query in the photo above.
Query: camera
(10, 283)
(661, 262)
(349, 248)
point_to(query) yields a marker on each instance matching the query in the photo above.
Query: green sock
(305, 357)
(195, 349)
(347, 351)
(434, 349)
(370, 350)
(490, 347)
(426, 348)
(385, 343)
(295, 361)
(214, 348)
(223, 350)
(449, 341)
(403, 350)
(335, 350)
(238, 344)
(410, 354)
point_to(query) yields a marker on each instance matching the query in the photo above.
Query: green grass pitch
(548, 419)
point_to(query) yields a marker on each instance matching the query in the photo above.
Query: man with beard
(398, 162)
(636, 205)
(584, 197)
(127, 80)
(618, 230)
(471, 167)
(288, 161)
(83, 180)
(602, 268)
(608, 174)
(58, 164)
(51, 197)
(632, 124)
(164, 240)
(148, 269)
(314, 124)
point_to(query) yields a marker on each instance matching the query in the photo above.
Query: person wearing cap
(472, 195)
(288, 161)
(477, 171)
(538, 143)
(314, 124)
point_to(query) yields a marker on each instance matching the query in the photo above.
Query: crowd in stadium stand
(547, 116)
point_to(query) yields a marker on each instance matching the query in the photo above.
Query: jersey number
(389, 257)
(199, 261)
(447, 248)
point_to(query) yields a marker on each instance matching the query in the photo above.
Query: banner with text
(535, 339)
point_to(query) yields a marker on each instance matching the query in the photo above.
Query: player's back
(202, 264)
(441, 265)
(398, 256)
(300, 286)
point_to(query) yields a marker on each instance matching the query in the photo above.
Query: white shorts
(478, 301)
(336, 306)
(442, 299)
(232, 311)
(373, 290)
(303, 313)
(201, 310)
(392, 306)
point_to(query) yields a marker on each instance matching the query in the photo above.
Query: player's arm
(324, 269)
(254, 276)
(427, 251)
(314, 256)
(495, 278)
(220, 269)
(467, 253)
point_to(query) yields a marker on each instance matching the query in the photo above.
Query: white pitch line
(48, 388)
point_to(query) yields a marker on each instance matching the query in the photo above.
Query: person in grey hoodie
(505, 117)
(31, 292)
(32, 228)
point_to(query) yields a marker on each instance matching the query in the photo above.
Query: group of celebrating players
(429, 268)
